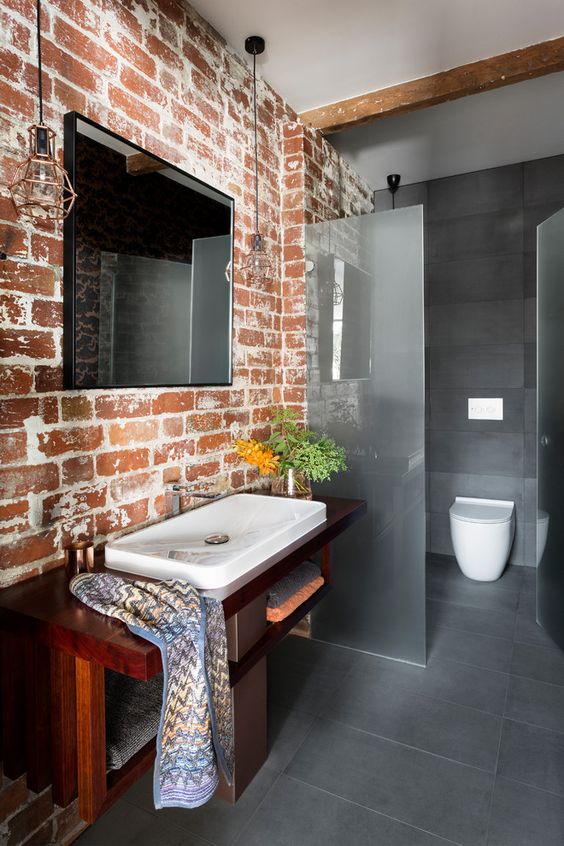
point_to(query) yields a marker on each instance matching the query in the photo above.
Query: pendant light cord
(39, 71)
(256, 142)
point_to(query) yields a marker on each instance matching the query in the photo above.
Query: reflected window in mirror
(148, 257)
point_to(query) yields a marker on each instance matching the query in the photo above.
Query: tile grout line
(490, 810)
(375, 812)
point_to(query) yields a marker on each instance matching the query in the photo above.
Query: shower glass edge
(366, 388)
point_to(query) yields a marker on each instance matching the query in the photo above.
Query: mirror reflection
(147, 269)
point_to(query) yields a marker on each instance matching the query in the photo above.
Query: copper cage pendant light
(41, 187)
(257, 264)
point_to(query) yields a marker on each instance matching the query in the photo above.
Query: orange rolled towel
(275, 615)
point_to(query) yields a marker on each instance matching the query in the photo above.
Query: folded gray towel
(286, 587)
(133, 711)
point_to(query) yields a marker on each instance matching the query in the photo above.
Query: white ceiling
(514, 124)
(322, 51)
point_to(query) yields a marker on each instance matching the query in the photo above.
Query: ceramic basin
(257, 526)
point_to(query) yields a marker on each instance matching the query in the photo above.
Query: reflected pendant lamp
(41, 188)
(257, 264)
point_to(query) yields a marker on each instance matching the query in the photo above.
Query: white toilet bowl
(482, 532)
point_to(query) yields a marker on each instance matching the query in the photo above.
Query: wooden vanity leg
(13, 706)
(91, 738)
(63, 727)
(38, 735)
(326, 563)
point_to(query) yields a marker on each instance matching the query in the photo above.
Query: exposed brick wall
(94, 463)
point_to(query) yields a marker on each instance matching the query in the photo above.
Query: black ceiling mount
(254, 45)
(393, 182)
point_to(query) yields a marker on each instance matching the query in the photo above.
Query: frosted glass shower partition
(366, 389)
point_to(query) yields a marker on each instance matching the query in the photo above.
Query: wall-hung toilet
(482, 532)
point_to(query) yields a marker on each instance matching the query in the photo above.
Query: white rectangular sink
(257, 527)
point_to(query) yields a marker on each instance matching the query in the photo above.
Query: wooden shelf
(272, 636)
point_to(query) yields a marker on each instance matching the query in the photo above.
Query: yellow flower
(258, 455)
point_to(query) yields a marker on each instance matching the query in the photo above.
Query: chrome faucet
(178, 489)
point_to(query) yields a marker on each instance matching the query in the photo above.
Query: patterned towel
(196, 729)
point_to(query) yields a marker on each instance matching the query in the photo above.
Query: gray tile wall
(480, 313)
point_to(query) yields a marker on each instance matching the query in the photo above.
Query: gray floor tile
(446, 680)
(447, 570)
(453, 731)
(535, 702)
(525, 816)
(286, 733)
(439, 796)
(217, 821)
(126, 825)
(527, 630)
(297, 814)
(301, 687)
(532, 755)
(492, 653)
(484, 595)
(538, 662)
(470, 619)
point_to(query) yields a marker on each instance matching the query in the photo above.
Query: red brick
(121, 517)
(133, 108)
(219, 398)
(76, 42)
(76, 439)
(141, 87)
(13, 310)
(47, 313)
(10, 65)
(70, 98)
(251, 337)
(72, 503)
(48, 378)
(17, 482)
(28, 278)
(13, 412)
(121, 461)
(16, 100)
(24, 550)
(125, 405)
(126, 433)
(43, 247)
(130, 487)
(173, 426)
(203, 422)
(13, 447)
(156, 48)
(11, 797)
(200, 471)
(173, 402)
(76, 407)
(175, 451)
(131, 52)
(79, 469)
(213, 443)
(70, 68)
(81, 14)
(27, 343)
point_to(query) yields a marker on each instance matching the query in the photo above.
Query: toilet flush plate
(488, 408)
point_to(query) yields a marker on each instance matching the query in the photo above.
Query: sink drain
(215, 539)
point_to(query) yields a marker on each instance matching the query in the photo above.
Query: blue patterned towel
(196, 727)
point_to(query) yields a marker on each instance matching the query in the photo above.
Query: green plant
(316, 456)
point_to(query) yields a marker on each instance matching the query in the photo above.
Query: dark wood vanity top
(45, 605)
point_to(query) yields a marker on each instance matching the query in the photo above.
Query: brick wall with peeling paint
(94, 463)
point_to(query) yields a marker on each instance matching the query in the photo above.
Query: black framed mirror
(148, 249)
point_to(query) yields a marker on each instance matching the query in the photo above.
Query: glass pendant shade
(41, 187)
(258, 265)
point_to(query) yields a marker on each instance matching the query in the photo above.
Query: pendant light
(257, 265)
(41, 188)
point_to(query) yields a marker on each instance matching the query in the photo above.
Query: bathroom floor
(370, 752)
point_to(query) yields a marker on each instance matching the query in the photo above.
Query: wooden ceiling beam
(516, 66)
(140, 163)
